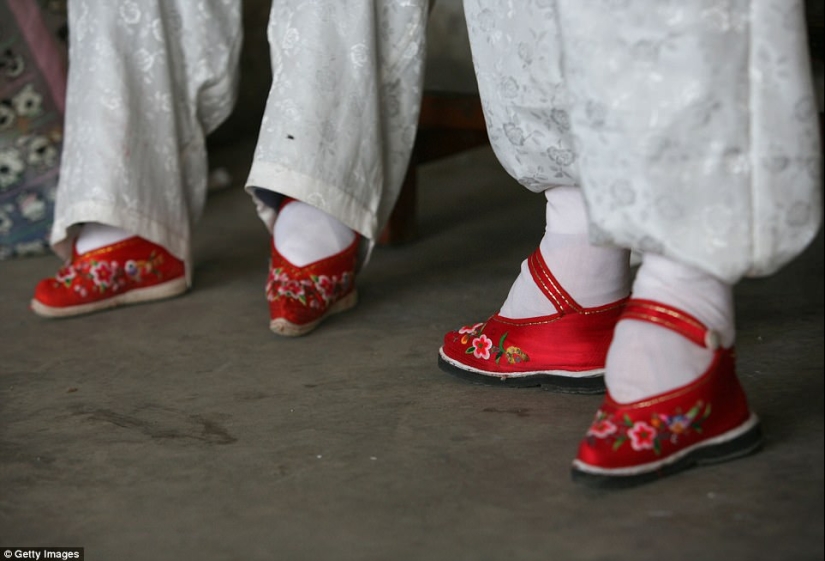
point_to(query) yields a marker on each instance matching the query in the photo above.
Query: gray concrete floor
(185, 430)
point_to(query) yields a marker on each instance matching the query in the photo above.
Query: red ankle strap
(285, 201)
(548, 284)
(672, 318)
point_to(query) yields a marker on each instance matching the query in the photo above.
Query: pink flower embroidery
(291, 288)
(470, 329)
(65, 275)
(602, 428)
(326, 287)
(642, 436)
(315, 292)
(481, 346)
(102, 274)
(650, 435)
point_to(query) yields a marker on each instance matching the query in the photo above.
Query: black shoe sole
(743, 445)
(550, 382)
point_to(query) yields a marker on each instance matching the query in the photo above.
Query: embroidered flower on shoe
(65, 275)
(325, 285)
(648, 434)
(602, 428)
(470, 331)
(331, 287)
(102, 273)
(84, 275)
(515, 355)
(292, 289)
(678, 424)
(482, 347)
(132, 269)
(315, 292)
(642, 436)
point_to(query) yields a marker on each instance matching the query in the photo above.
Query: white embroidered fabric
(149, 79)
(690, 126)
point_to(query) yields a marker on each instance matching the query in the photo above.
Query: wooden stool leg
(448, 123)
(401, 226)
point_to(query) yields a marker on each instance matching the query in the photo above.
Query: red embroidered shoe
(563, 352)
(127, 272)
(706, 421)
(300, 298)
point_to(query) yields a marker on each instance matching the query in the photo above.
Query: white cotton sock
(592, 275)
(303, 234)
(94, 235)
(645, 359)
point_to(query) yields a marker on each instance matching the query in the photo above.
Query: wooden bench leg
(449, 123)
(401, 226)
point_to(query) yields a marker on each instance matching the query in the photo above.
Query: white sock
(592, 275)
(303, 234)
(94, 235)
(645, 359)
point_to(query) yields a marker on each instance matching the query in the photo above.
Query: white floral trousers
(690, 126)
(148, 79)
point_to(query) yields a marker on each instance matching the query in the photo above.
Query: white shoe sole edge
(527, 374)
(284, 327)
(162, 291)
(732, 434)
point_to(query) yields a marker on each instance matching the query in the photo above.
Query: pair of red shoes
(136, 270)
(627, 444)
(703, 422)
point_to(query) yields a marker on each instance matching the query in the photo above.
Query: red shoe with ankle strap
(300, 298)
(563, 352)
(706, 421)
(127, 272)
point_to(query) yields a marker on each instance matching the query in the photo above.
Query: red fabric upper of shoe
(302, 295)
(651, 430)
(575, 339)
(574, 342)
(108, 271)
